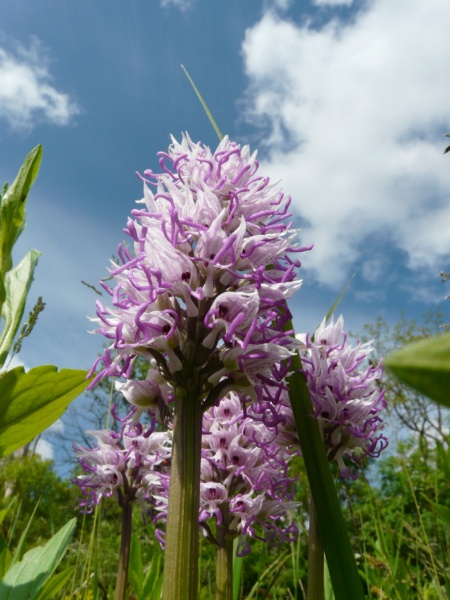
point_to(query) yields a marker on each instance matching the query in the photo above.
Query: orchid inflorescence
(208, 281)
(346, 395)
(202, 297)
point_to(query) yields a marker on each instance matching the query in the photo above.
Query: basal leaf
(17, 284)
(24, 580)
(424, 366)
(31, 402)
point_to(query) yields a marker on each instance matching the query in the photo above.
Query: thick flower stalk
(346, 395)
(202, 296)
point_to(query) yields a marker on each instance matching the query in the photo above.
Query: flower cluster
(346, 394)
(245, 488)
(132, 465)
(206, 282)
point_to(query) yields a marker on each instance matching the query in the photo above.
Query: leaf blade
(424, 366)
(25, 579)
(31, 402)
(12, 207)
(17, 285)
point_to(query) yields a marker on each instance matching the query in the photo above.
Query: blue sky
(346, 101)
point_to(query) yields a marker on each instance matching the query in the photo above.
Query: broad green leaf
(17, 284)
(31, 402)
(424, 366)
(24, 580)
(55, 584)
(12, 207)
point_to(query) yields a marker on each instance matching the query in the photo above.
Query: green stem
(315, 557)
(224, 560)
(181, 552)
(124, 558)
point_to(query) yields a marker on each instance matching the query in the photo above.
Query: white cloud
(57, 426)
(12, 363)
(355, 113)
(44, 449)
(278, 4)
(182, 4)
(26, 92)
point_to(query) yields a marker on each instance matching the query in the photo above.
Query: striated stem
(181, 552)
(224, 560)
(315, 557)
(124, 558)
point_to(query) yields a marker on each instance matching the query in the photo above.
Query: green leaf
(4, 511)
(55, 584)
(24, 580)
(333, 531)
(424, 366)
(136, 567)
(443, 459)
(339, 298)
(31, 402)
(12, 207)
(17, 284)
(20, 549)
(152, 584)
(5, 561)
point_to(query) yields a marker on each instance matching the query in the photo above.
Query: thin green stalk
(85, 576)
(181, 553)
(78, 557)
(205, 106)
(315, 557)
(125, 547)
(224, 559)
(426, 542)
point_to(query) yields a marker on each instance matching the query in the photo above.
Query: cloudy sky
(347, 102)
